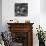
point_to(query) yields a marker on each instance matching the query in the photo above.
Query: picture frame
(21, 9)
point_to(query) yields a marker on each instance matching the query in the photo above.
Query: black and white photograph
(21, 9)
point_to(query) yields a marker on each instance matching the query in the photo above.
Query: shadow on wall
(0, 15)
(43, 6)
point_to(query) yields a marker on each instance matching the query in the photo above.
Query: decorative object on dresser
(13, 21)
(22, 33)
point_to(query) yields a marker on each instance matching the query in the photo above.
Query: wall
(43, 6)
(8, 11)
(0, 15)
(43, 13)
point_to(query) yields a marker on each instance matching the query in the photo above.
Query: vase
(41, 43)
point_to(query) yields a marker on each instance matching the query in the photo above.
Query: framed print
(21, 9)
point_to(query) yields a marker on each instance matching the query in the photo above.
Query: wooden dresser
(22, 33)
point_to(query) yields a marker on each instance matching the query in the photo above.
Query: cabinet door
(20, 37)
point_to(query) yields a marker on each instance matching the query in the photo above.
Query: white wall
(43, 14)
(43, 6)
(8, 11)
(0, 15)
